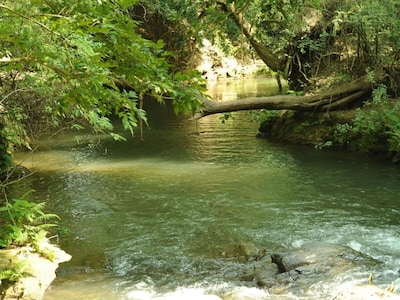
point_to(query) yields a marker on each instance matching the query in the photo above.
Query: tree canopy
(302, 39)
(90, 60)
(81, 60)
(321, 47)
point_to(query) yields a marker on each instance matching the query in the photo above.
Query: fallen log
(332, 100)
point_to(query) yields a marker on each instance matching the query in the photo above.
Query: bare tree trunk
(266, 55)
(334, 100)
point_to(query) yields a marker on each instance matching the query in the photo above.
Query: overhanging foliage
(67, 59)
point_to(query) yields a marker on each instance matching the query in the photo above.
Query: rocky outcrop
(37, 271)
(213, 64)
(296, 270)
(319, 258)
(308, 264)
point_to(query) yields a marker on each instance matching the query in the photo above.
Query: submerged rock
(250, 251)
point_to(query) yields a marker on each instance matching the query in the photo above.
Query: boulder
(38, 271)
(313, 262)
(317, 258)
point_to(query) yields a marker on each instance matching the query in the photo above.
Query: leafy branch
(2, 6)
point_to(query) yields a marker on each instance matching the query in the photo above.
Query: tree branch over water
(332, 100)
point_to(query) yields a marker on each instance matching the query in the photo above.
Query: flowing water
(149, 219)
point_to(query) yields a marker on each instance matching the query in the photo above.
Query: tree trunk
(266, 55)
(292, 69)
(334, 100)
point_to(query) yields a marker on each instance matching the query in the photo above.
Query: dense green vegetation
(24, 223)
(301, 36)
(80, 62)
(316, 46)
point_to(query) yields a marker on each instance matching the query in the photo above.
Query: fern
(15, 273)
(25, 222)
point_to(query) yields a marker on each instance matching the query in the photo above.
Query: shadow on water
(151, 218)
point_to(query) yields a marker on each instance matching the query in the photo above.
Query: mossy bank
(336, 129)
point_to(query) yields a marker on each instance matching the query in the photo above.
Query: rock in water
(314, 262)
(318, 258)
(250, 251)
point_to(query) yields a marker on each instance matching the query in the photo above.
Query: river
(149, 219)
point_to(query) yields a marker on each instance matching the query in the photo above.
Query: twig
(53, 16)
(33, 21)
(13, 92)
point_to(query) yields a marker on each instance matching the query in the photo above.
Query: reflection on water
(148, 220)
(236, 89)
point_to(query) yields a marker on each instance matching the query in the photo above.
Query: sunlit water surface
(149, 219)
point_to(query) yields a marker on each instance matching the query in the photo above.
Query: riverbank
(326, 130)
(26, 274)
